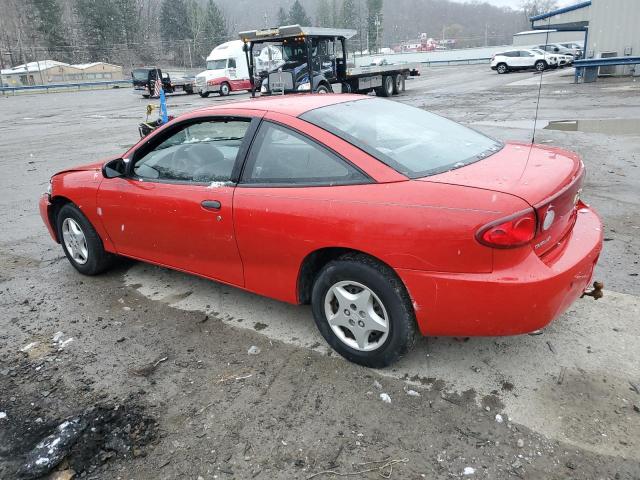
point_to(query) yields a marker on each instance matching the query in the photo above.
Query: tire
(377, 288)
(204, 94)
(322, 89)
(540, 66)
(225, 89)
(396, 84)
(80, 241)
(502, 68)
(145, 96)
(188, 91)
(386, 90)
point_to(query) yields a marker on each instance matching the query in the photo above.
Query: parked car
(387, 219)
(575, 48)
(523, 59)
(565, 54)
(555, 59)
(227, 71)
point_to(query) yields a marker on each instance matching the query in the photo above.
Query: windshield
(412, 141)
(537, 50)
(217, 64)
(140, 75)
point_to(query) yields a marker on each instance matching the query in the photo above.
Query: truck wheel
(188, 91)
(224, 89)
(396, 84)
(363, 310)
(204, 94)
(322, 88)
(145, 96)
(386, 90)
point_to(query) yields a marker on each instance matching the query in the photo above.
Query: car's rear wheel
(540, 66)
(502, 68)
(363, 311)
(225, 89)
(81, 243)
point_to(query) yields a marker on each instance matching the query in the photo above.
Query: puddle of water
(615, 126)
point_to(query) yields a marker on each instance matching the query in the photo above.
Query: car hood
(533, 173)
(88, 166)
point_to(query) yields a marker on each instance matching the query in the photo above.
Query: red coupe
(388, 219)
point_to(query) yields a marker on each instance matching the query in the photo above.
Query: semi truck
(227, 71)
(315, 60)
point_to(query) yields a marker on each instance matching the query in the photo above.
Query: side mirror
(114, 168)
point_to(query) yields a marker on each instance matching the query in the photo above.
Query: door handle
(211, 204)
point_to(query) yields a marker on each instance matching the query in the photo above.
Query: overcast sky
(515, 4)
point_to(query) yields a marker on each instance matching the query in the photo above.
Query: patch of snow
(3, 415)
(469, 471)
(385, 397)
(28, 347)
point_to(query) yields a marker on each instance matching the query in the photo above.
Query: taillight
(509, 232)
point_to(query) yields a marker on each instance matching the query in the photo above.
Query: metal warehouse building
(610, 28)
(47, 72)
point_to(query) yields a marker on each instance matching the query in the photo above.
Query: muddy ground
(156, 365)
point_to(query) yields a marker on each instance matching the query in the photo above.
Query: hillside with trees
(183, 32)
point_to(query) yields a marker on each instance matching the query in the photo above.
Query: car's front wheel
(363, 311)
(502, 68)
(540, 65)
(81, 243)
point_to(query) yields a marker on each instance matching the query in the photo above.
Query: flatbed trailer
(325, 50)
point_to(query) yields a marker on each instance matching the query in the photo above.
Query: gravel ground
(155, 366)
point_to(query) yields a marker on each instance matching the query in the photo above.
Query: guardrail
(62, 86)
(470, 61)
(588, 68)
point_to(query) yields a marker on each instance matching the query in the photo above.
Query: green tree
(298, 15)
(175, 26)
(283, 18)
(324, 16)
(48, 21)
(374, 24)
(351, 20)
(110, 28)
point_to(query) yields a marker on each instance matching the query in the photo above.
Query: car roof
(294, 105)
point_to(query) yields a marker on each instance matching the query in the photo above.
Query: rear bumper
(510, 301)
(44, 205)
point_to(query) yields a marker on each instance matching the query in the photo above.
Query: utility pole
(377, 23)
(266, 19)
(486, 34)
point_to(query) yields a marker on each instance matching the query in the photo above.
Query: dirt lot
(151, 367)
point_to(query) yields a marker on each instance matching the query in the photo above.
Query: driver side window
(201, 152)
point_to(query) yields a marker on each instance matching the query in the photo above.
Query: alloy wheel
(356, 315)
(75, 241)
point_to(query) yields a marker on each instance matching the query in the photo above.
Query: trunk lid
(547, 178)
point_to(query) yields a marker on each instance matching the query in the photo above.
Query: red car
(388, 219)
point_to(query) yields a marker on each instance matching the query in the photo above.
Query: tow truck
(325, 50)
(144, 79)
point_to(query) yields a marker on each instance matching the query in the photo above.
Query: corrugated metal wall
(613, 26)
(554, 37)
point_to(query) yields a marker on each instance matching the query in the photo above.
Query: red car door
(288, 203)
(175, 205)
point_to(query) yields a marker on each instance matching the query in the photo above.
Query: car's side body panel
(165, 223)
(80, 186)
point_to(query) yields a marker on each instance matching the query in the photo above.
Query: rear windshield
(412, 141)
(141, 74)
